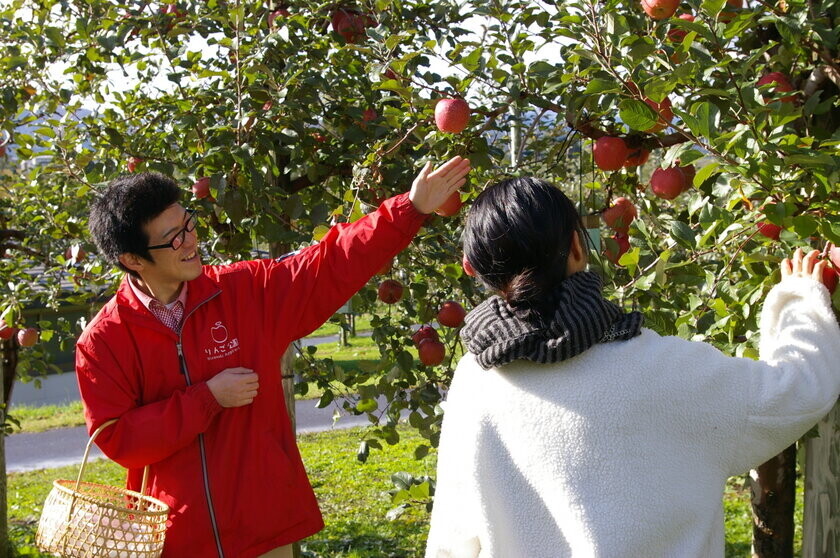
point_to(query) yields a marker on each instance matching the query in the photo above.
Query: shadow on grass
(385, 539)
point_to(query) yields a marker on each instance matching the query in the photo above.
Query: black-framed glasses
(178, 239)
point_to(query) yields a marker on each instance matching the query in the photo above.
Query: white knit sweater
(623, 451)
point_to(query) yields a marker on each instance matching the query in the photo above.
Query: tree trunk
(8, 368)
(773, 498)
(276, 250)
(821, 529)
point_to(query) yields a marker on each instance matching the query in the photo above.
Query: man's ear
(132, 262)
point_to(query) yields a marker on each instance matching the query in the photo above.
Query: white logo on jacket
(222, 347)
(219, 333)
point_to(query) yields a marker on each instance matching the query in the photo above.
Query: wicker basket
(86, 520)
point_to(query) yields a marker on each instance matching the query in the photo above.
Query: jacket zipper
(201, 449)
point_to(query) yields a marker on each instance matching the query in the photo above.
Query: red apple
(201, 188)
(431, 352)
(783, 85)
(637, 158)
(468, 268)
(452, 115)
(623, 242)
(451, 314)
(282, 12)
(664, 111)
(829, 278)
(6, 332)
(834, 256)
(677, 35)
(667, 183)
(350, 24)
(619, 216)
(27, 337)
(425, 332)
(390, 291)
(385, 269)
(132, 163)
(727, 16)
(369, 114)
(610, 153)
(660, 9)
(391, 74)
(451, 206)
(688, 171)
(769, 230)
(173, 14)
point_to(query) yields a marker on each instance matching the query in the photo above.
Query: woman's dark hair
(517, 237)
(119, 212)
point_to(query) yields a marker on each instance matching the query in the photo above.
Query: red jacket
(233, 478)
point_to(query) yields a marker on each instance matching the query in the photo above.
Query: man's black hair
(118, 213)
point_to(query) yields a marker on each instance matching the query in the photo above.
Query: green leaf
(325, 399)
(367, 405)
(708, 118)
(636, 114)
(711, 8)
(683, 235)
(703, 173)
(599, 85)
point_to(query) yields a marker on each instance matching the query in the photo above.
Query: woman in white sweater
(572, 431)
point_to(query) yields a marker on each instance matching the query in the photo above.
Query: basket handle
(93, 436)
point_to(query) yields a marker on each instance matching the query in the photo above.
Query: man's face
(168, 265)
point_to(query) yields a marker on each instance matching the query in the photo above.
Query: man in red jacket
(187, 358)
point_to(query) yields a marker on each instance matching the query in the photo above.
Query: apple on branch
(770, 230)
(667, 183)
(452, 115)
(782, 85)
(272, 17)
(637, 158)
(390, 291)
(27, 337)
(677, 35)
(660, 9)
(451, 206)
(431, 352)
(6, 331)
(663, 109)
(830, 278)
(351, 24)
(620, 214)
(132, 163)
(610, 153)
(425, 332)
(622, 243)
(201, 188)
(451, 314)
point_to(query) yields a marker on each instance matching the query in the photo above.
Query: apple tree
(715, 121)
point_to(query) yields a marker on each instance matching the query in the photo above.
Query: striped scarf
(496, 334)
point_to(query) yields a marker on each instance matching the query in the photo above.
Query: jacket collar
(200, 289)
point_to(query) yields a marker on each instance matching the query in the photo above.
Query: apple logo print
(219, 333)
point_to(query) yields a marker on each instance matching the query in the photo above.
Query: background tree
(288, 118)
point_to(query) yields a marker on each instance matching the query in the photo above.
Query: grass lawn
(352, 497)
(332, 327)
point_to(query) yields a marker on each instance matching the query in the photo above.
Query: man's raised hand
(433, 187)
